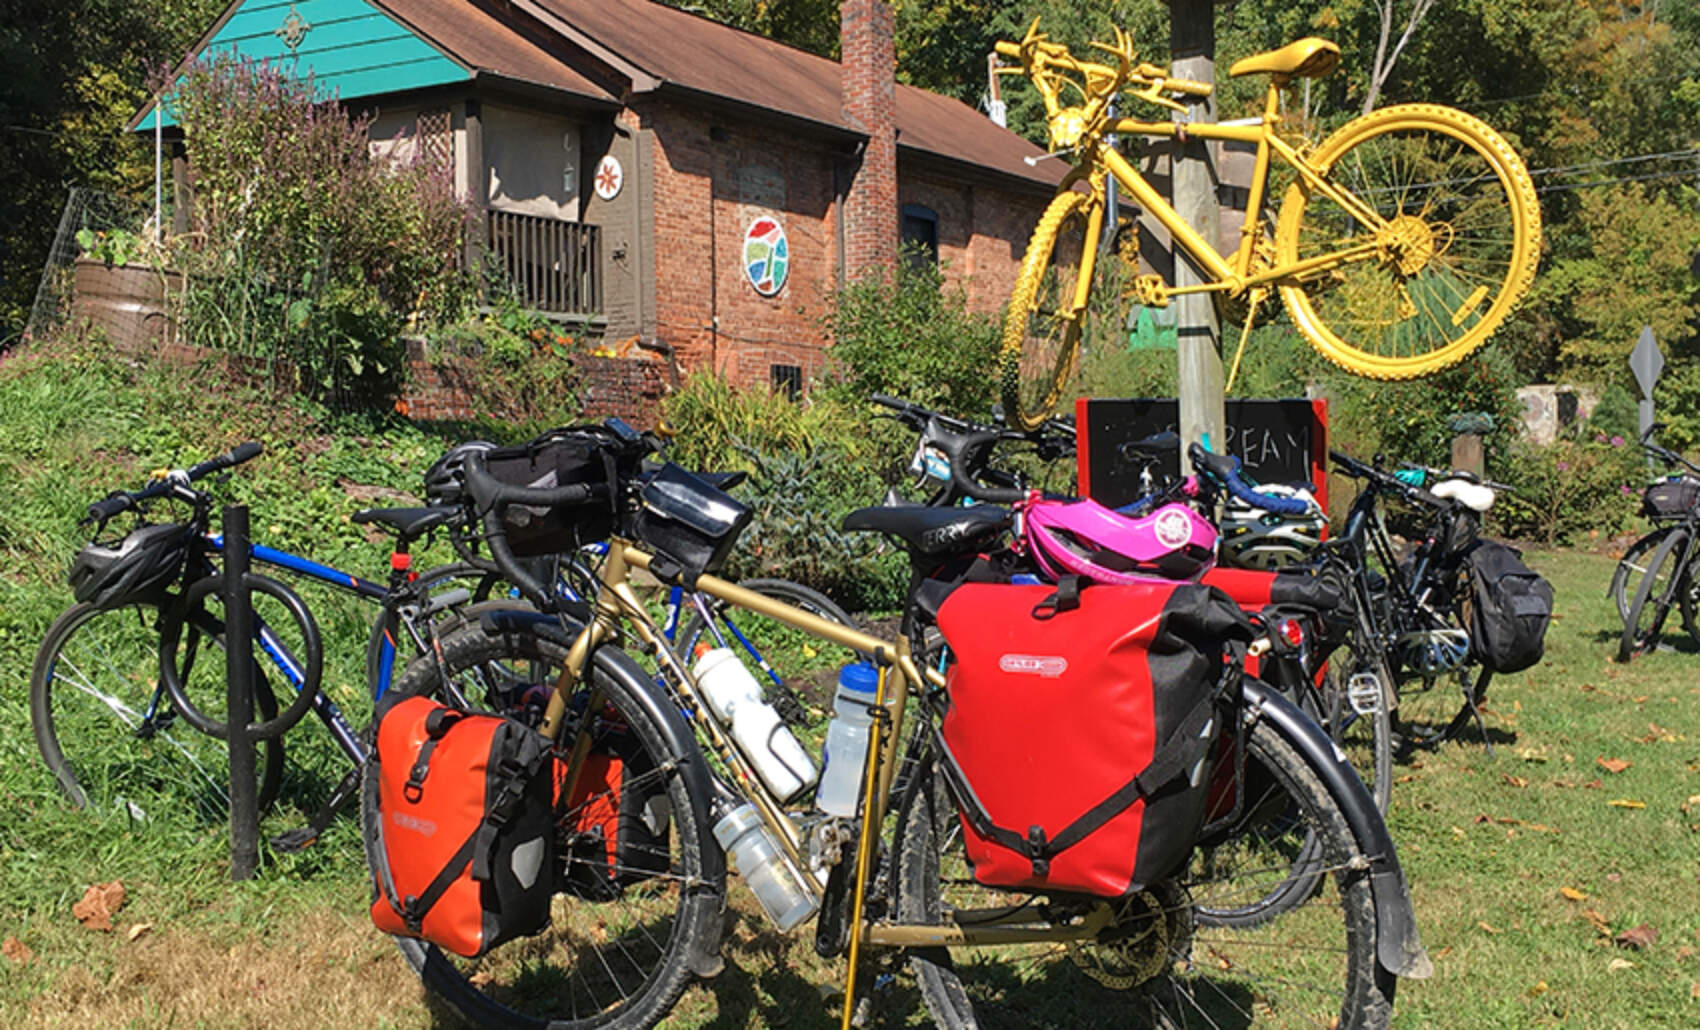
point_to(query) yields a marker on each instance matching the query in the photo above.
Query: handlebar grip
(1007, 49)
(107, 507)
(1189, 86)
(494, 497)
(1226, 470)
(235, 456)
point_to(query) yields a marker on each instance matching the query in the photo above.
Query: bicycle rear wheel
(1626, 580)
(109, 733)
(1665, 580)
(1310, 961)
(1041, 330)
(1454, 251)
(620, 962)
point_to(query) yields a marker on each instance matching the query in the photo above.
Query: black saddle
(934, 532)
(407, 523)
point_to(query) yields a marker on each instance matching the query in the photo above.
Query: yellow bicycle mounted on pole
(1402, 241)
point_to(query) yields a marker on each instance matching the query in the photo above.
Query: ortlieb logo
(1049, 666)
(407, 822)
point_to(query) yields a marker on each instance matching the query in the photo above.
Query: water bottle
(759, 733)
(847, 740)
(764, 867)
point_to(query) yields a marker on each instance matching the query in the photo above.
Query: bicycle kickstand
(1480, 690)
(300, 838)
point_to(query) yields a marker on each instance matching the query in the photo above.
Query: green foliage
(306, 249)
(111, 246)
(1408, 421)
(1588, 485)
(811, 464)
(913, 336)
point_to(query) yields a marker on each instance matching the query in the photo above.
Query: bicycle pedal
(1365, 693)
(293, 841)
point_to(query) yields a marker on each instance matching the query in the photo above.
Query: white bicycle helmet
(1256, 539)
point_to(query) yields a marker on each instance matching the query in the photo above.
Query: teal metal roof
(350, 47)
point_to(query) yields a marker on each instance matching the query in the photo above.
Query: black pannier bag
(560, 457)
(1079, 738)
(1510, 607)
(688, 520)
(1670, 498)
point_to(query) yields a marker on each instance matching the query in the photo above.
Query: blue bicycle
(128, 685)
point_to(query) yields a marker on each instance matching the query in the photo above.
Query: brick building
(680, 188)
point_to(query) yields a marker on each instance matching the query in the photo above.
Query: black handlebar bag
(578, 455)
(1082, 726)
(464, 846)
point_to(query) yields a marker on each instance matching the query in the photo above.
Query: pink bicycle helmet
(1087, 539)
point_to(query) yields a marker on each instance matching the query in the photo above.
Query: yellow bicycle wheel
(1437, 241)
(1041, 331)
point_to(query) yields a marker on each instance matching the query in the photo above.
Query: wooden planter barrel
(130, 303)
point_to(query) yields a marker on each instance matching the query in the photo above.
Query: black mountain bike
(1671, 504)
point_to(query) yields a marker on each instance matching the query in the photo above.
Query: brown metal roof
(686, 50)
(471, 35)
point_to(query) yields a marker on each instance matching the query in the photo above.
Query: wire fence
(84, 209)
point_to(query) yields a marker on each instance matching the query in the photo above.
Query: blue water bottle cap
(860, 677)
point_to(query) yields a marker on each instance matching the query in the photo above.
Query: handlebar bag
(560, 457)
(1670, 498)
(1510, 607)
(689, 520)
(616, 817)
(463, 850)
(1078, 739)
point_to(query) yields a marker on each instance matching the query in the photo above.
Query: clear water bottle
(764, 867)
(847, 740)
(757, 729)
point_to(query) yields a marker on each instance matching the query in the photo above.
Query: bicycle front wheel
(612, 959)
(1433, 244)
(1041, 330)
(1309, 962)
(1665, 579)
(109, 733)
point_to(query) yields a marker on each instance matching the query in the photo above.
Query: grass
(1491, 845)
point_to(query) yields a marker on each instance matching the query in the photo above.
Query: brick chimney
(869, 102)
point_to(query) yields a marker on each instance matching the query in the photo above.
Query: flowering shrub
(1570, 488)
(304, 247)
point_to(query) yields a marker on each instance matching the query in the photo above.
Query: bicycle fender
(1398, 947)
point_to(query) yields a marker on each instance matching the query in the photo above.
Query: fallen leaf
(100, 903)
(1641, 700)
(1593, 785)
(1443, 952)
(1540, 827)
(16, 951)
(1692, 802)
(1515, 781)
(1530, 754)
(1612, 765)
(137, 930)
(1597, 921)
(1684, 953)
(1488, 928)
(1639, 938)
(1626, 803)
(1613, 877)
(1617, 965)
(1539, 989)
(1573, 894)
(1694, 990)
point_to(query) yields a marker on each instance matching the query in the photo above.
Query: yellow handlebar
(1008, 49)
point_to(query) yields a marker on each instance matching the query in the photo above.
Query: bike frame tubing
(1238, 274)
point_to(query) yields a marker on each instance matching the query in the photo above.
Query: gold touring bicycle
(1401, 242)
(1245, 933)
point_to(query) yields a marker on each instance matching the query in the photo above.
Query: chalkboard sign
(1278, 441)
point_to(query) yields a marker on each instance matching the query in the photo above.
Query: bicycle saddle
(934, 532)
(1308, 58)
(406, 523)
(1477, 497)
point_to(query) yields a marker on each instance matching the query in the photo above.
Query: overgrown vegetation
(305, 248)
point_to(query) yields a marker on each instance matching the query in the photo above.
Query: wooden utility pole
(1192, 40)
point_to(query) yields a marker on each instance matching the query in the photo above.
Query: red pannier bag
(1081, 728)
(464, 843)
(616, 817)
